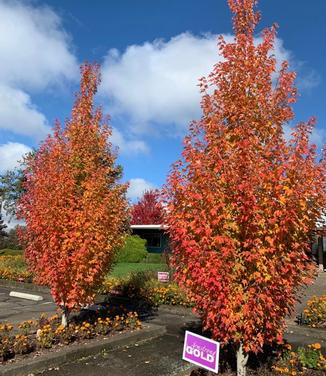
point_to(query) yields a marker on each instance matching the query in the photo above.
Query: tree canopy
(148, 210)
(243, 201)
(73, 204)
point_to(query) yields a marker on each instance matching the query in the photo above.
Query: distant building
(157, 240)
(319, 248)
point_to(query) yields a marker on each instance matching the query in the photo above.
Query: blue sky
(152, 53)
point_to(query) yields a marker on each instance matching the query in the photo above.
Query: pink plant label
(163, 276)
(201, 351)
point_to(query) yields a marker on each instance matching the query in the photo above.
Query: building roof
(147, 227)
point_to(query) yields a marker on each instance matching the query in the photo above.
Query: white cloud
(318, 135)
(35, 55)
(158, 82)
(34, 47)
(128, 146)
(137, 187)
(19, 115)
(308, 81)
(10, 154)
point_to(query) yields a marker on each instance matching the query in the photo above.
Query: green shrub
(310, 357)
(144, 286)
(134, 250)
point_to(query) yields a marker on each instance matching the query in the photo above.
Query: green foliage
(134, 250)
(11, 241)
(135, 283)
(294, 362)
(167, 293)
(145, 286)
(11, 185)
(2, 225)
(309, 357)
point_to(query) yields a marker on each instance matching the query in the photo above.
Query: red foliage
(242, 202)
(74, 208)
(148, 211)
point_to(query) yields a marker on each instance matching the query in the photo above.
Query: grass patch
(10, 252)
(123, 269)
(12, 264)
(155, 258)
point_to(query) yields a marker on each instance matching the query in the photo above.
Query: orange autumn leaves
(242, 202)
(74, 207)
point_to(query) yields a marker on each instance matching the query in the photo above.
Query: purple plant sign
(201, 351)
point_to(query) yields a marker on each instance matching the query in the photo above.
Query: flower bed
(294, 363)
(144, 286)
(14, 268)
(314, 314)
(45, 333)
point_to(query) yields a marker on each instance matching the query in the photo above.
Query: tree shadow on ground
(110, 306)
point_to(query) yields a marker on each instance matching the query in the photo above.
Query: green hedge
(134, 250)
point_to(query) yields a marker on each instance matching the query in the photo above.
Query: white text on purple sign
(201, 352)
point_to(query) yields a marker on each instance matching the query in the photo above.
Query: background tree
(148, 210)
(11, 240)
(73, 204)
(11, 185)
(242, 202)
(3, 233)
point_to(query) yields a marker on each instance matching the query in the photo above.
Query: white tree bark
(64, 318)
(242, 360)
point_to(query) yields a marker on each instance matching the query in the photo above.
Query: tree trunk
(65, 317)
(242, 359)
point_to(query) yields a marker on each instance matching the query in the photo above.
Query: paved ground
(317, 288)
(15, 309)
(161, 356)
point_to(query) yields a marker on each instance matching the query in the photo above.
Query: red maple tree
(148, 210)
(242, 202)
(74, 207)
